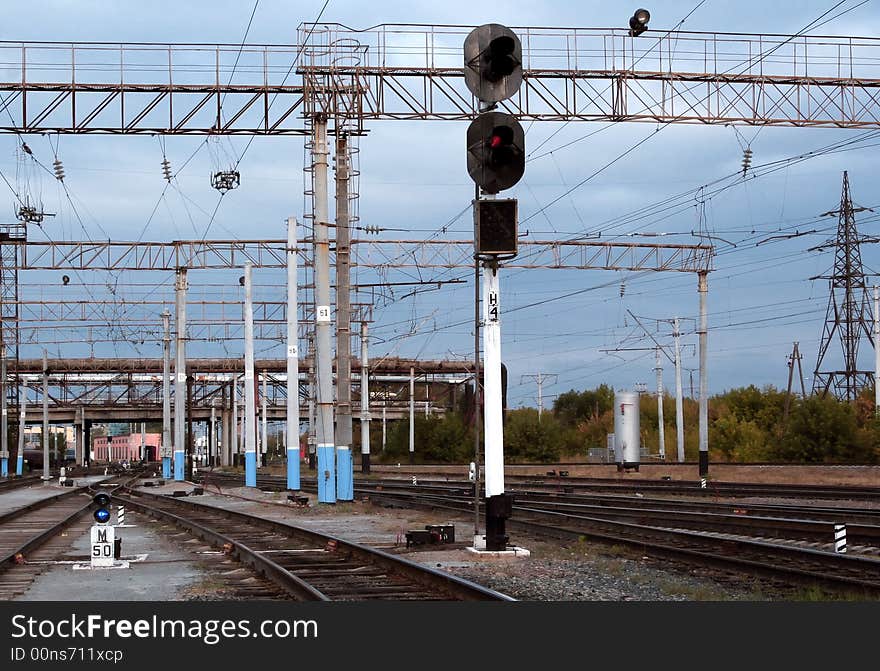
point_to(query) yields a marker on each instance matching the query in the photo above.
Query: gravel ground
(586, 572)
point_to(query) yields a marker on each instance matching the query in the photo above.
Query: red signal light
(495, 142)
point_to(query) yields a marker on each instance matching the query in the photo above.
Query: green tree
(437, 439)
(573, 407)
(822, 430)
(527, 439)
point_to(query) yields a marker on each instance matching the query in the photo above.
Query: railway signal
(638, 22)
(102, 512)
(102, 535)
(496, 160)
(496, 157)
(493, 62)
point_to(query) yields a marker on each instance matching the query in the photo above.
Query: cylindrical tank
(627, 431)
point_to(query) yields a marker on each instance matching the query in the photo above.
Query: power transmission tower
(848, 315)
(539, 379)
(794, 357)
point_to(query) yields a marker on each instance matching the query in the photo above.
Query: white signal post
(493, 428)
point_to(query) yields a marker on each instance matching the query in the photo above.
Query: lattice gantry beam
(112, 255)
(180, 89)
(556, 254)
(122, 311)
(416, 72)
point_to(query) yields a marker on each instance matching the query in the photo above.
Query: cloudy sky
(414, 184)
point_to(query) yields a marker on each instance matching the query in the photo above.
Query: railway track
(864, 522)
(11, 483)
(569, 485)
(306, 564)
(792, 542)
(27, 529)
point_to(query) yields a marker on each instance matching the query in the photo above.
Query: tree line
(746, 424)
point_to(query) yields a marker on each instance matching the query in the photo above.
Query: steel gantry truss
(200, 255)
(415, 72)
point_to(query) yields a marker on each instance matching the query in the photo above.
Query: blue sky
(414, 179)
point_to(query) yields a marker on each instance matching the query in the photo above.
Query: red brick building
(126, 448)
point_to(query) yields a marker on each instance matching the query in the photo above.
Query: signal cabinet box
(495, 222)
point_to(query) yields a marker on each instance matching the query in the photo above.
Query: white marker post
(840, 538)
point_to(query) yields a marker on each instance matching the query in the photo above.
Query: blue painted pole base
(250, 469)
(293, 469)
(178, 465)
(326, 474)
(344, 474)
(19, 464)
(4, 467)
(166, 468)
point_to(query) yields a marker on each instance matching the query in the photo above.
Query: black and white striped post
(120, 516)
(840, 538)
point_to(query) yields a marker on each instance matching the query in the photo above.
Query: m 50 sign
(103, 538)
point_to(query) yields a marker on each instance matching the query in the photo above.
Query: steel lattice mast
(848, 316)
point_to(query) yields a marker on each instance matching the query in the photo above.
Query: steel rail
(450, 587)
(15, 482)
(71, 514)
(294, 586)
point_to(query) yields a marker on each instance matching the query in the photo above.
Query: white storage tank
(627, 431)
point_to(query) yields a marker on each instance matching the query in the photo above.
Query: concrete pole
(365, 401)
(22, 404)
(313, 391)
(225, 422)
(412, 415)
(233, 443)
(344, 434)
(326, 446)
(292, 439)
(79, 456)
(250, 430)
(190, 430)
(166, 449)
(46, 475)
(180, 374)
(877, 351)
(143, 453)
(212, 438)
(703, 289)
(264, 442)
(384, 425)
(661, 428)
(540, 380)
(679, 401)
(4, 424)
